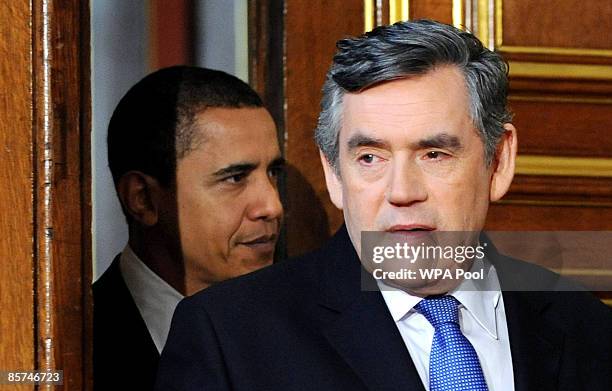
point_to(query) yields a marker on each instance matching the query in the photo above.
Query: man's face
(229, 211)
(411, 158)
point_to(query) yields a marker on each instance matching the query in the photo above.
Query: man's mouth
(411, 231)
(262, 244)
(400, 228)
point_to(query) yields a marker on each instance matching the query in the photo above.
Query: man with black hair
(194, 157)
(415, 140)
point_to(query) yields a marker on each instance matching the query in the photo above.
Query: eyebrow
(241, 167)
(360, 140)
(235, 169)
(441, 140)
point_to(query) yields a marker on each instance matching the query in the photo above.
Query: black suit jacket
(305, 324)
(124, 355)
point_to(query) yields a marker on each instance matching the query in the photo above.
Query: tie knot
(439, 309)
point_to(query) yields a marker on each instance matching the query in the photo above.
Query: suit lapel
(368, 340)
(122, 342)
(134, 328)
(535, 343)
(358, 324)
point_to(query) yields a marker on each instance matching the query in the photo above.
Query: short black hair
(152, 126)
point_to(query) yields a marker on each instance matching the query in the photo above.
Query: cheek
(462, 204)
(362, 203)
(207, 236)
(200, 224)
(190, 209)
(195, 232)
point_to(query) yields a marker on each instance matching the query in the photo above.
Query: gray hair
(410, 49)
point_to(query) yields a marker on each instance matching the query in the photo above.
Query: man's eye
(367, 158)
(436, 155)
(236, 178)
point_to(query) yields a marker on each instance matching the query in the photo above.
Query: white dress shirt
(154, 297)
(482, 319)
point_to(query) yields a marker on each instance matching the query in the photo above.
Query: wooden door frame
(46, 116)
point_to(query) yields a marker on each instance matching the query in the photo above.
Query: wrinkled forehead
(435, 102)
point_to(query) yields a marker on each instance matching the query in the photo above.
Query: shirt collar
(154, 297)
(479, 297)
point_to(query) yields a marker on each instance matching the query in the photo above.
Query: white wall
(120, 41)
(120, 58)
(221, 40)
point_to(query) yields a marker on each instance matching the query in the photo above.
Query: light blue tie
(453, 364)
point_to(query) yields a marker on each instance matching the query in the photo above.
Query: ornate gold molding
(369, 15)
(459, 14)
(555, 51)
(563, 166)
(560, 99)
(398, 10)
(560, 70)
(499, 31)
(499, 37)
(476, 16)
(485, 22)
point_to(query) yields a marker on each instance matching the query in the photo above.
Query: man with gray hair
(415, 140)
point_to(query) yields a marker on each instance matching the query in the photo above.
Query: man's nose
(405, 184)
(266, 203)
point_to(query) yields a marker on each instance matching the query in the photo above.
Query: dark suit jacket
(305, 324)
(124, 355)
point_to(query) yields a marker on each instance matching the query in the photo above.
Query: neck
(161, 254)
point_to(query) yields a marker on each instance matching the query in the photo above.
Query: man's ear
(503, 164)
(334, 186)
(140, 196)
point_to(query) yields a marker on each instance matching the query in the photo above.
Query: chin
(257, 263)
